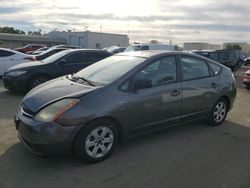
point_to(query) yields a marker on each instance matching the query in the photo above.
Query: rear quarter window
(215, 68)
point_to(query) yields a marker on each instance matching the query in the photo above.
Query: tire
(37, 80)
(90, 145)
(219, 112)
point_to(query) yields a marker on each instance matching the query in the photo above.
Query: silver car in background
(121, 96)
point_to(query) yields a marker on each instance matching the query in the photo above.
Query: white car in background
(8, 58)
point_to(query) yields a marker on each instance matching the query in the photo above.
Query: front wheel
(219, 112)
(96, 141)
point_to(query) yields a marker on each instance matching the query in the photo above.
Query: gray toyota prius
(90, 112)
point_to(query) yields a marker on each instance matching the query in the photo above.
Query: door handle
(175, 93)
(213, 85)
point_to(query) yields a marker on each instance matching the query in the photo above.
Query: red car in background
(246, 79)
(30, 48)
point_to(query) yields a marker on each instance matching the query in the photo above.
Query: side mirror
(142, 84)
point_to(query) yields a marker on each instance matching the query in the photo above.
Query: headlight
(17, 73)
(55, 110)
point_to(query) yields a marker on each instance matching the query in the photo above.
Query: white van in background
(140, 47)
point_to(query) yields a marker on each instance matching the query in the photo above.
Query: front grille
(26, 112)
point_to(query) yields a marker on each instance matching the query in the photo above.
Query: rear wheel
(96, 141)
(37, 80)
(219, 112)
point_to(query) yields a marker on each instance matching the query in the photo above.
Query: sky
(142, 20)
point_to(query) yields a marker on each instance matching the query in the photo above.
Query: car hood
(26, 65)
(52, 91)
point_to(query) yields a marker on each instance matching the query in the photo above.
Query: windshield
(110, 69)
(56, 56)
(133, 48)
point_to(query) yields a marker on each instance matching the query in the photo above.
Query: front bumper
(15, 83)
(44, 138)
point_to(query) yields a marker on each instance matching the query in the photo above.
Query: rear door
(6, 60)
(199, 86)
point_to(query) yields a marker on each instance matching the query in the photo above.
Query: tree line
(12, 30)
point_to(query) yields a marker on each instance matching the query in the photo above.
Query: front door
(156, 99)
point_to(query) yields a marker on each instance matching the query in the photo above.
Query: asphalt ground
(188, 156)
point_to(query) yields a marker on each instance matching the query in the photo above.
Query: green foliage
(12, 30)
(39, 32)
(233, 47)
(154, 42)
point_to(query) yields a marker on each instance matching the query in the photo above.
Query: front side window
(193, 68)
(160, 72)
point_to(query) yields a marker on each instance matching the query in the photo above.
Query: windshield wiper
(76, 78)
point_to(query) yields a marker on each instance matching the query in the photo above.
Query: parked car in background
(246, 80)
(141, 47)
(229, 58)
(38, 51)
(247, 61)
(204, 53)
(30, 75)
(122, 96)
(115, 49)
(10, 58)
(30, 48)
(66, 46)
(48, 53)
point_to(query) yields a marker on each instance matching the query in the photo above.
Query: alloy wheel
(99, 142)
(219, 111)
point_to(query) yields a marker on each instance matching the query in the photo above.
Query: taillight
(32, 58)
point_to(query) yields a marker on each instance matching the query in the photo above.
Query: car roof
(86, 50)
(151, 53)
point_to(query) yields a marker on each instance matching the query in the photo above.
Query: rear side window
(5, 53)
(193, 68)
(144, 48)
(97, 56)
(223, 56)
(231, 56)
(215, 68)
(214, 56)
(79, 57)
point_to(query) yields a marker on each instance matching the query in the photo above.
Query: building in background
(200, 46)
(16, 40)
(88, 39)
